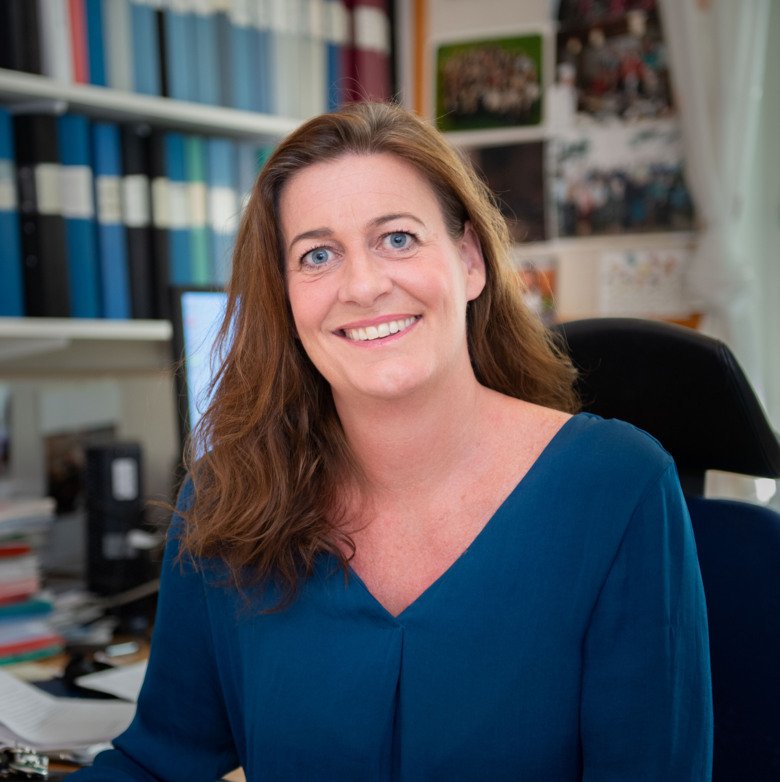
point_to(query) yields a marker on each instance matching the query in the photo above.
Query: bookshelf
(40, 347)
(48, 346)
(21, 88)
(128, 363)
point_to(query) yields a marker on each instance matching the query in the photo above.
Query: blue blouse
(568, 642)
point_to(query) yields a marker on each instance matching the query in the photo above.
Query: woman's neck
(401, 445)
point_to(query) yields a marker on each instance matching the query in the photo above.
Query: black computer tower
(114, 507)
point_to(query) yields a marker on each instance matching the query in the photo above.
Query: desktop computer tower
(114, 508)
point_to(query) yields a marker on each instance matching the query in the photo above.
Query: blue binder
(207, 74)
(146, 48)
(11, 286)
(180, 55)
(241, 54)
(78, 209)
(112, 243)
(178, 229)
(95, 43)
(222, 180)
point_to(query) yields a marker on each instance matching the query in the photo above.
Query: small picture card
(489, 83)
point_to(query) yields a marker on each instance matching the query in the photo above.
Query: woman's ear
(474, 261)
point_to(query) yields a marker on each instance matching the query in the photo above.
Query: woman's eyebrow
(314, 233)
(377, 221)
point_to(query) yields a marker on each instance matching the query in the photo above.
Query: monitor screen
(197, 316)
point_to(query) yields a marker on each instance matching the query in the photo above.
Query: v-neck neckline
(544, 455)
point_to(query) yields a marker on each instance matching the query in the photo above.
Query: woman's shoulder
(612, 447)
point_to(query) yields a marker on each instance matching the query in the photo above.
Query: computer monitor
(197, 314)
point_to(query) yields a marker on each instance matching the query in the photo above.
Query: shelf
(45, 346)
(30, 90)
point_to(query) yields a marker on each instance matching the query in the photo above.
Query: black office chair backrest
(689, 392)
(683, 387)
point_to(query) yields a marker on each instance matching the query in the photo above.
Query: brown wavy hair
(266, 495)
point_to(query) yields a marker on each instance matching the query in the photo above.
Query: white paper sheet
(124, 681)
(42, 721)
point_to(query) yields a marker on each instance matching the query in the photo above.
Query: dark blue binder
(180, 54)
(96, 52)
(207, 76)
(46, 287)
(178, 215)
(146, 48)
(78, 209)
(11, 289)
(115, 277)
(224, 205)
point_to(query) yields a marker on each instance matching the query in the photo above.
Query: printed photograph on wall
(644, 283)
(614, 55)
(515, 173)
(620, 178)
(494, 83)
(538, 276)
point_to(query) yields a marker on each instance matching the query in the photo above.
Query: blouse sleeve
(646, 709)
(181, 729)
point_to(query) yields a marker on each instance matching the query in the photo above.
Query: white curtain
(718, 53)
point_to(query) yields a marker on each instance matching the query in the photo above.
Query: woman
(403, 557)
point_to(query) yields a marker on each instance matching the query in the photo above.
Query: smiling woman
(403, 555)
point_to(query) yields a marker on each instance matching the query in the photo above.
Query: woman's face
(378, 288)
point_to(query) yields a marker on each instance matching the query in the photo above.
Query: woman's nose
(364, 279)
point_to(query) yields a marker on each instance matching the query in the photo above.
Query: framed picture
(644, 283)
(538, 276)
(615, 57)
(489, 83)
(515, 173)
(620, 178)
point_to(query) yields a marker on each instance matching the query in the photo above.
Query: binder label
(135, 201)
(109, 199)
(77, 200)
(278, 16)
(223, 209)
(178, 203)
(337, 24)
(161, 202)
(197, 203)
(262, 14)
(240, 13)
(7, 186)
(47, 189)
(317, 19)
(372, 29)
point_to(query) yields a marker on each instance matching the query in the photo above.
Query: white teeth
(382, 330)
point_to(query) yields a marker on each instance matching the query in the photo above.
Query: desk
(52, 669)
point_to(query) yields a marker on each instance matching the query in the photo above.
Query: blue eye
(399, 240)
(317, 257)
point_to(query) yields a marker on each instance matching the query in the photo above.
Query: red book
(78, 38)
(14, 549)
(30, 645)
(371, 78)
(18, 590)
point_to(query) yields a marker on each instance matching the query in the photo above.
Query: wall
(577, 260)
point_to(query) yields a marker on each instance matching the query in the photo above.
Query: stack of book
(293, 58)
(25, 629)
(98, 219)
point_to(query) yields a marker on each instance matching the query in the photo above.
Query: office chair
(688, 391)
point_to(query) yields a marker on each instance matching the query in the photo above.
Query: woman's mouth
(369, 333)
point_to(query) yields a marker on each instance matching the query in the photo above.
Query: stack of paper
(39, 720)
